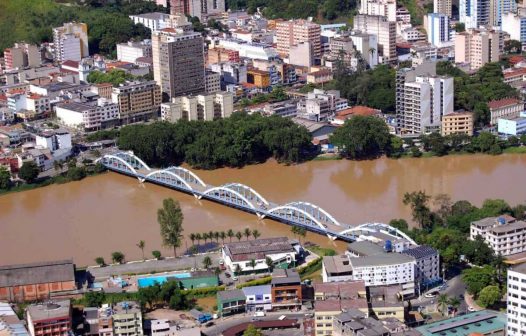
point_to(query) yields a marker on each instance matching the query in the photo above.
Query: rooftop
(365, 248)
(49, 310)
(508, 227)
(77, 107)
(254, 290)
(495, 104)
(381, 260)
(358, 110)
(152, 16)
(337, 264)
(230, 295)
(35, 273)
(421, 251)
(127, 307)
(285, 276)
(484, 322)
(258, 248)
(327, 305)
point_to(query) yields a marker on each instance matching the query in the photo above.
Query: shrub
(100, 261)
(256, 282)
(156, 254)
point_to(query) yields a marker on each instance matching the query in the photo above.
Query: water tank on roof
(388, 247)
(501, 220)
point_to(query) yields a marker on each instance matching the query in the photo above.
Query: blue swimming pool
(145, 282)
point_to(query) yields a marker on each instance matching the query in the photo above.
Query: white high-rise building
(442, 6)
(501, 8)
(516, 307)
(385, 8)
(438, 32)
(367, 45)
(129, 52)
(475, 13)
(71, 42)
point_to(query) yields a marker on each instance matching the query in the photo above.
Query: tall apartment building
(49, 319)
(71, 42)
(127, 319)
(384, 29)
(475, 13)
(129, 52)
(443, 7)
(200, 107)
(137, 101)
(516, 305)
(422, 98)
(477, 47)
(515, 25)
(367, 45)
(438, 31)
(294, 32)
(386, 8)
(22, 55)
(503, 234)
(178, 60)
(500, 8)
(202, 9)
(457, 123)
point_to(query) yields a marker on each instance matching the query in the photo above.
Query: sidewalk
(471, 303)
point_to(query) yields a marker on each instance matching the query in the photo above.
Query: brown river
(99, 215)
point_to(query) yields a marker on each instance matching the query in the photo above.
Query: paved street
(140, 267)
(456, 288)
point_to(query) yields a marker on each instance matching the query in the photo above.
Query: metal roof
(36, 273)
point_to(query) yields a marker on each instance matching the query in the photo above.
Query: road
(456, 288)
(222, 324)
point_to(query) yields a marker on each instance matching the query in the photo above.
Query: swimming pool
(149, 281)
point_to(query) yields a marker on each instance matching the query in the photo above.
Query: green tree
(252, 331)
(415, 152)
(362, 137)
(29, 171)
(198, 237)
(443, 301)
(207, 262)
(237, 269)
(192, 238)
(454, 302)
(142, 244)
(100, 261)
(489, 296)
(94, 299)
(239, 235)
(256, 234)
(156, 254)
(170, 218)
(76, 173)
(117, 257)
(400, 224)
(269, 263)
(222, 234)
(512, 46)
(230, 233)
(478, 251)
(418, 201)
(216, 236)
(460, 27)
(477, 278)
(523, 139)
(5, 178)
(252, 264)
(513, 141)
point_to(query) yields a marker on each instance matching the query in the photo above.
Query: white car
(471, 309)
(234, 278)
(430, 295)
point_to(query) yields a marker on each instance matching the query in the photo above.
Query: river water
(99, 215)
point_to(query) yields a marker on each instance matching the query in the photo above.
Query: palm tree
(239, 235)
(198, 238)
(210, 235)
(442, 301)
(256, 234)
(222, 235)
(141, 245)
(499, 265)
(252, 264)
(294, 230)
(455, 303)
(247, 232)
(207, 262)
(269, 263)
(192, 238)
(302, 232)
(237, 269)
(230, 233)
(205, 237)
(216, 236)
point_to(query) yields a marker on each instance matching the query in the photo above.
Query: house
(505, 108)
(386, 302)
(286, 289)
(258, 298)
(36, 281)
(49, 319)
(230, 302)
(283, 252)
(164, 328)
(357, 110)
(319, 77)
(503, 234)
(354, 322)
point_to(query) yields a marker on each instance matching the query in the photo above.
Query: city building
(286, 289)
(438, 30)
(231, 73)
(302, 54)
(422, 99)
(36, 281)
(201, 107)
(319, 76)
(475, 13)
(367, 45)
(10, 324)
(103, 90)
(292, 32)
(164, 328)
(503, 234)
(499, 10)
(516, 310)
(507, 108)
(70, 42)
(230, 302)
(386, 8)
(258, 298)
(251, 50)
(427, 262)
(443, 7)
(127, 319)
(31, 104)
(178, 60)
(89, 116)
(515, 25)
(137, 101)
(49, 318)
(477, 47)
(203, 9)
(131, 51)
(385, 31)
(286, 109)
(282, 251)
(386, 302)
(218, 55)
(321, 105)
(354, 322)
(54, 140)
(154, 21)
(348, 113)
(485, 322)
(259, 78)
(457, 123)
(511, 127)
(22, 55)
(212, 82)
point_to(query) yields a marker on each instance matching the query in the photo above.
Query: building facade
(503, 234)
(427, 262)
(516, 310)
(137, 101)
(294, 32)
(286, 289)
(507, 108)
(22, 55)
(127, 319)
(129, 52)
(200, 107)
(457, 123)
(438, 30)
(71, 42)
(384, 29)
(477, 47)
(511, 127)
(443, 7)
(49, 319)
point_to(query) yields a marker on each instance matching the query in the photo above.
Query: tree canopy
(29, 171)
(170, 218)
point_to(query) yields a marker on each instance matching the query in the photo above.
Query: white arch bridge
(243, 197)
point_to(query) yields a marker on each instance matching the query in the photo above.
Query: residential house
(286, 289)
(230, 301)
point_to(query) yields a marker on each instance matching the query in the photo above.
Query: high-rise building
(22, 55)
(129, 52)
(516, 308)
(499, 8)
(479, 13)
(367, 45)
(384, 29)
(438, 31)
(127, 319)
(138, 101)
(293, 32)
(385, 8)
(71, 42)
(478, 47)
(201, 107)
(422, 98)
(199, 8)
(442, 6)
(178, 59)
(515, 25)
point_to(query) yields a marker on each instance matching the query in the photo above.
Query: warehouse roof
(36, 273)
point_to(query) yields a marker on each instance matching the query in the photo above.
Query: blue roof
(254, 290)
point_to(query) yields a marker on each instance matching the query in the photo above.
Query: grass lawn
(515, 150)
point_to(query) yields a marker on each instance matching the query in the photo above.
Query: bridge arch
(186, 174)
(112, 158)
(375, 227)
(313, 208)
(161, 175)
(277, 211)
(132, 158)
(231, 194)
(239, 187)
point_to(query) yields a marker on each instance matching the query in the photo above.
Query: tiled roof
(495, 104)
